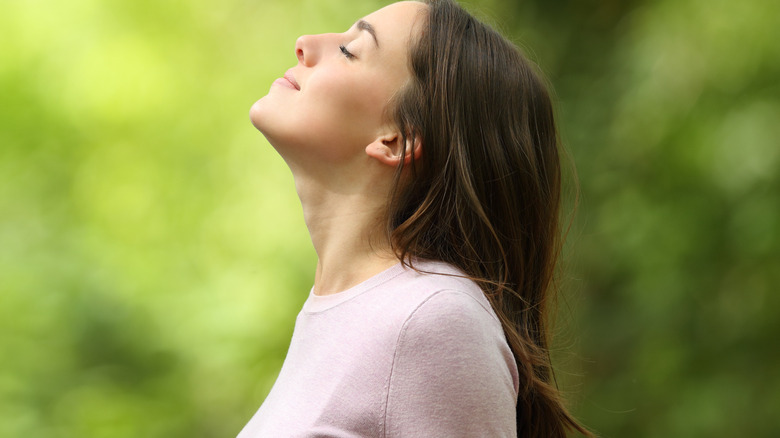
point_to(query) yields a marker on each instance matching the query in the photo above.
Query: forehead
(396, 23)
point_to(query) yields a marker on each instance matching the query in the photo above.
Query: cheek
(339, 116)
(356, 101)
(334, 118)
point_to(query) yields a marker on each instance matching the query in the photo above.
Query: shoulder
(439, 288)
(452, 369)
(438, 303)
(450, 326)
(449, 314)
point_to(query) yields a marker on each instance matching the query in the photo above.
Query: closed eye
(346, 52)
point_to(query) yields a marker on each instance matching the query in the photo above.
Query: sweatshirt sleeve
(453, 374)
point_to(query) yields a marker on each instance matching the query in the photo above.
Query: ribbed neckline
(320, 303)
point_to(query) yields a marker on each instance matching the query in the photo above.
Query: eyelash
(346, 52)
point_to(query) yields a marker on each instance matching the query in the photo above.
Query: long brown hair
(485, 194)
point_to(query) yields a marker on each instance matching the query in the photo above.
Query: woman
(424, 152)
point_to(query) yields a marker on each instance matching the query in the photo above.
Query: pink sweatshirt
(402, 354)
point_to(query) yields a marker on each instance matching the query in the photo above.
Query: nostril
(299, 49)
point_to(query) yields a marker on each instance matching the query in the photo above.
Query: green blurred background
(153, 255)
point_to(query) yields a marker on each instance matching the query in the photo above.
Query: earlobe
(379, 151)
(388, 150)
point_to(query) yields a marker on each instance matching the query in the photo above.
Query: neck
(345, 222)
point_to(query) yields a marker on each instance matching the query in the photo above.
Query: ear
(388, 150)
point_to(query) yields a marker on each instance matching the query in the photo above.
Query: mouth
(289, 77)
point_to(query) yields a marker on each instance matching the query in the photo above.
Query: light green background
(153, 256)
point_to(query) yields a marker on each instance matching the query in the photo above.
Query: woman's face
(330, 106)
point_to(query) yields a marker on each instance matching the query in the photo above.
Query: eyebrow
(365, 25)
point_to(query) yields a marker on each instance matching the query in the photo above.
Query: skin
(327, 121)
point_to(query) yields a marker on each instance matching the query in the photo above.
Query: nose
(299, 49)
(304, 50)
(309, 48)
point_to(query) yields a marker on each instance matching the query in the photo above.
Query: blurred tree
(153, 254)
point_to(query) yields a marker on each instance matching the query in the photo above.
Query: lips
(289, 77)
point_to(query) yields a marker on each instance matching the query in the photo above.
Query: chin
(256, 114)
(261, 114)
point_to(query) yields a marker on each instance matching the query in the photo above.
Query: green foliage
(153, 254)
